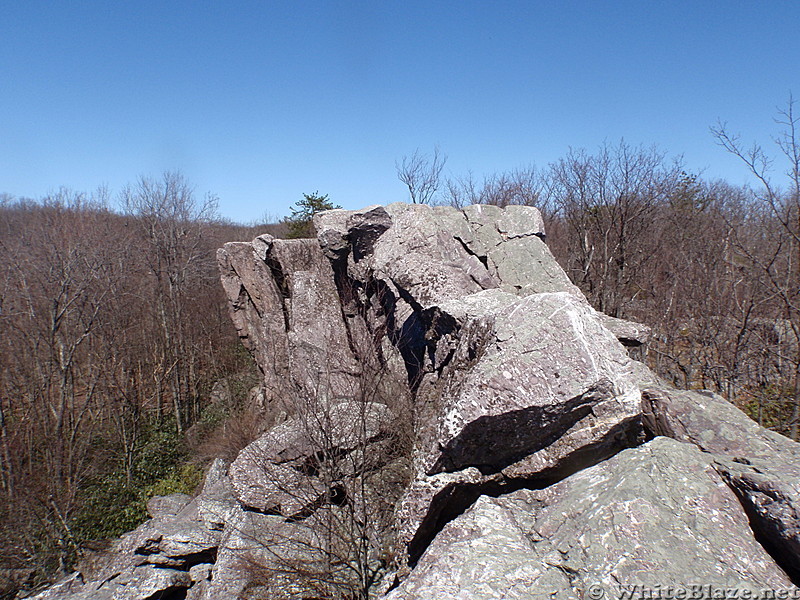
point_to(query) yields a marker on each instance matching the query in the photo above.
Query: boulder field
(449, 418)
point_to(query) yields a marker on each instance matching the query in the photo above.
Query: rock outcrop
(280, 472)
(453, 402)
(655, 515)
(165, 556)
(761, 466)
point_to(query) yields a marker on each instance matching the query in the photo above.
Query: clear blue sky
(259, 102)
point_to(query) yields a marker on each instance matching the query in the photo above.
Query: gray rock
(493, 224)
(167, 505)
(167, 541)
(417, 255)
(173, 551)
(515, 385)
(285, 306)
(65, 588)
(143, 583)
(175, 543)
(516, 221)
(333, 230)
(526, 266)
(273, 473)
(255, 555)
(629, 333)
(200, 572)
(198, 591)
(257, 309)
(761, 466)
(516, 380)
(532, 388)
(510, 241)
(711, 423)
(217, 500)
(137, 583)
(545, 364)
(655, 515)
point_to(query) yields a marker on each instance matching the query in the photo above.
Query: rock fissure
(410, 338)
(280, 282)
(170, 593)
(456, 498)
(766, 529)
(481, 257)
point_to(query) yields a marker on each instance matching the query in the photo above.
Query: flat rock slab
(138, 583)
(655, 515)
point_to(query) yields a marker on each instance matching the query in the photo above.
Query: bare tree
(84, 364)
(57, 281)
(608, 201)
(520, 186)
(779, 259)
(174, 225)
(421, 174)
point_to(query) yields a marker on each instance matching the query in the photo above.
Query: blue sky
(260, 102)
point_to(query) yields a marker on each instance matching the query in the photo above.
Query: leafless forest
(114, 329)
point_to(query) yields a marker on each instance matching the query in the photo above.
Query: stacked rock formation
(544, 461)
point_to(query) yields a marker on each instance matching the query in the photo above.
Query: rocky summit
(445, 416)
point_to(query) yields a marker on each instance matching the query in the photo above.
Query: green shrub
(110, 505)
(183, 479)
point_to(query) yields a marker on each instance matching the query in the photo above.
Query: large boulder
(285, 306)
(657, 515)
(515, 375)
(761, 466)
(298, 464)
(544, 370)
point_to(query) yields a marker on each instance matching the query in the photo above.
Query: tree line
(113, 330)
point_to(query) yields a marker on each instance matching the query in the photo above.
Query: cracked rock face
(761, 466)
(516, 381)
(655, 515)
(285, 307)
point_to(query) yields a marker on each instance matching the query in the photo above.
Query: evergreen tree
(299, 222)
